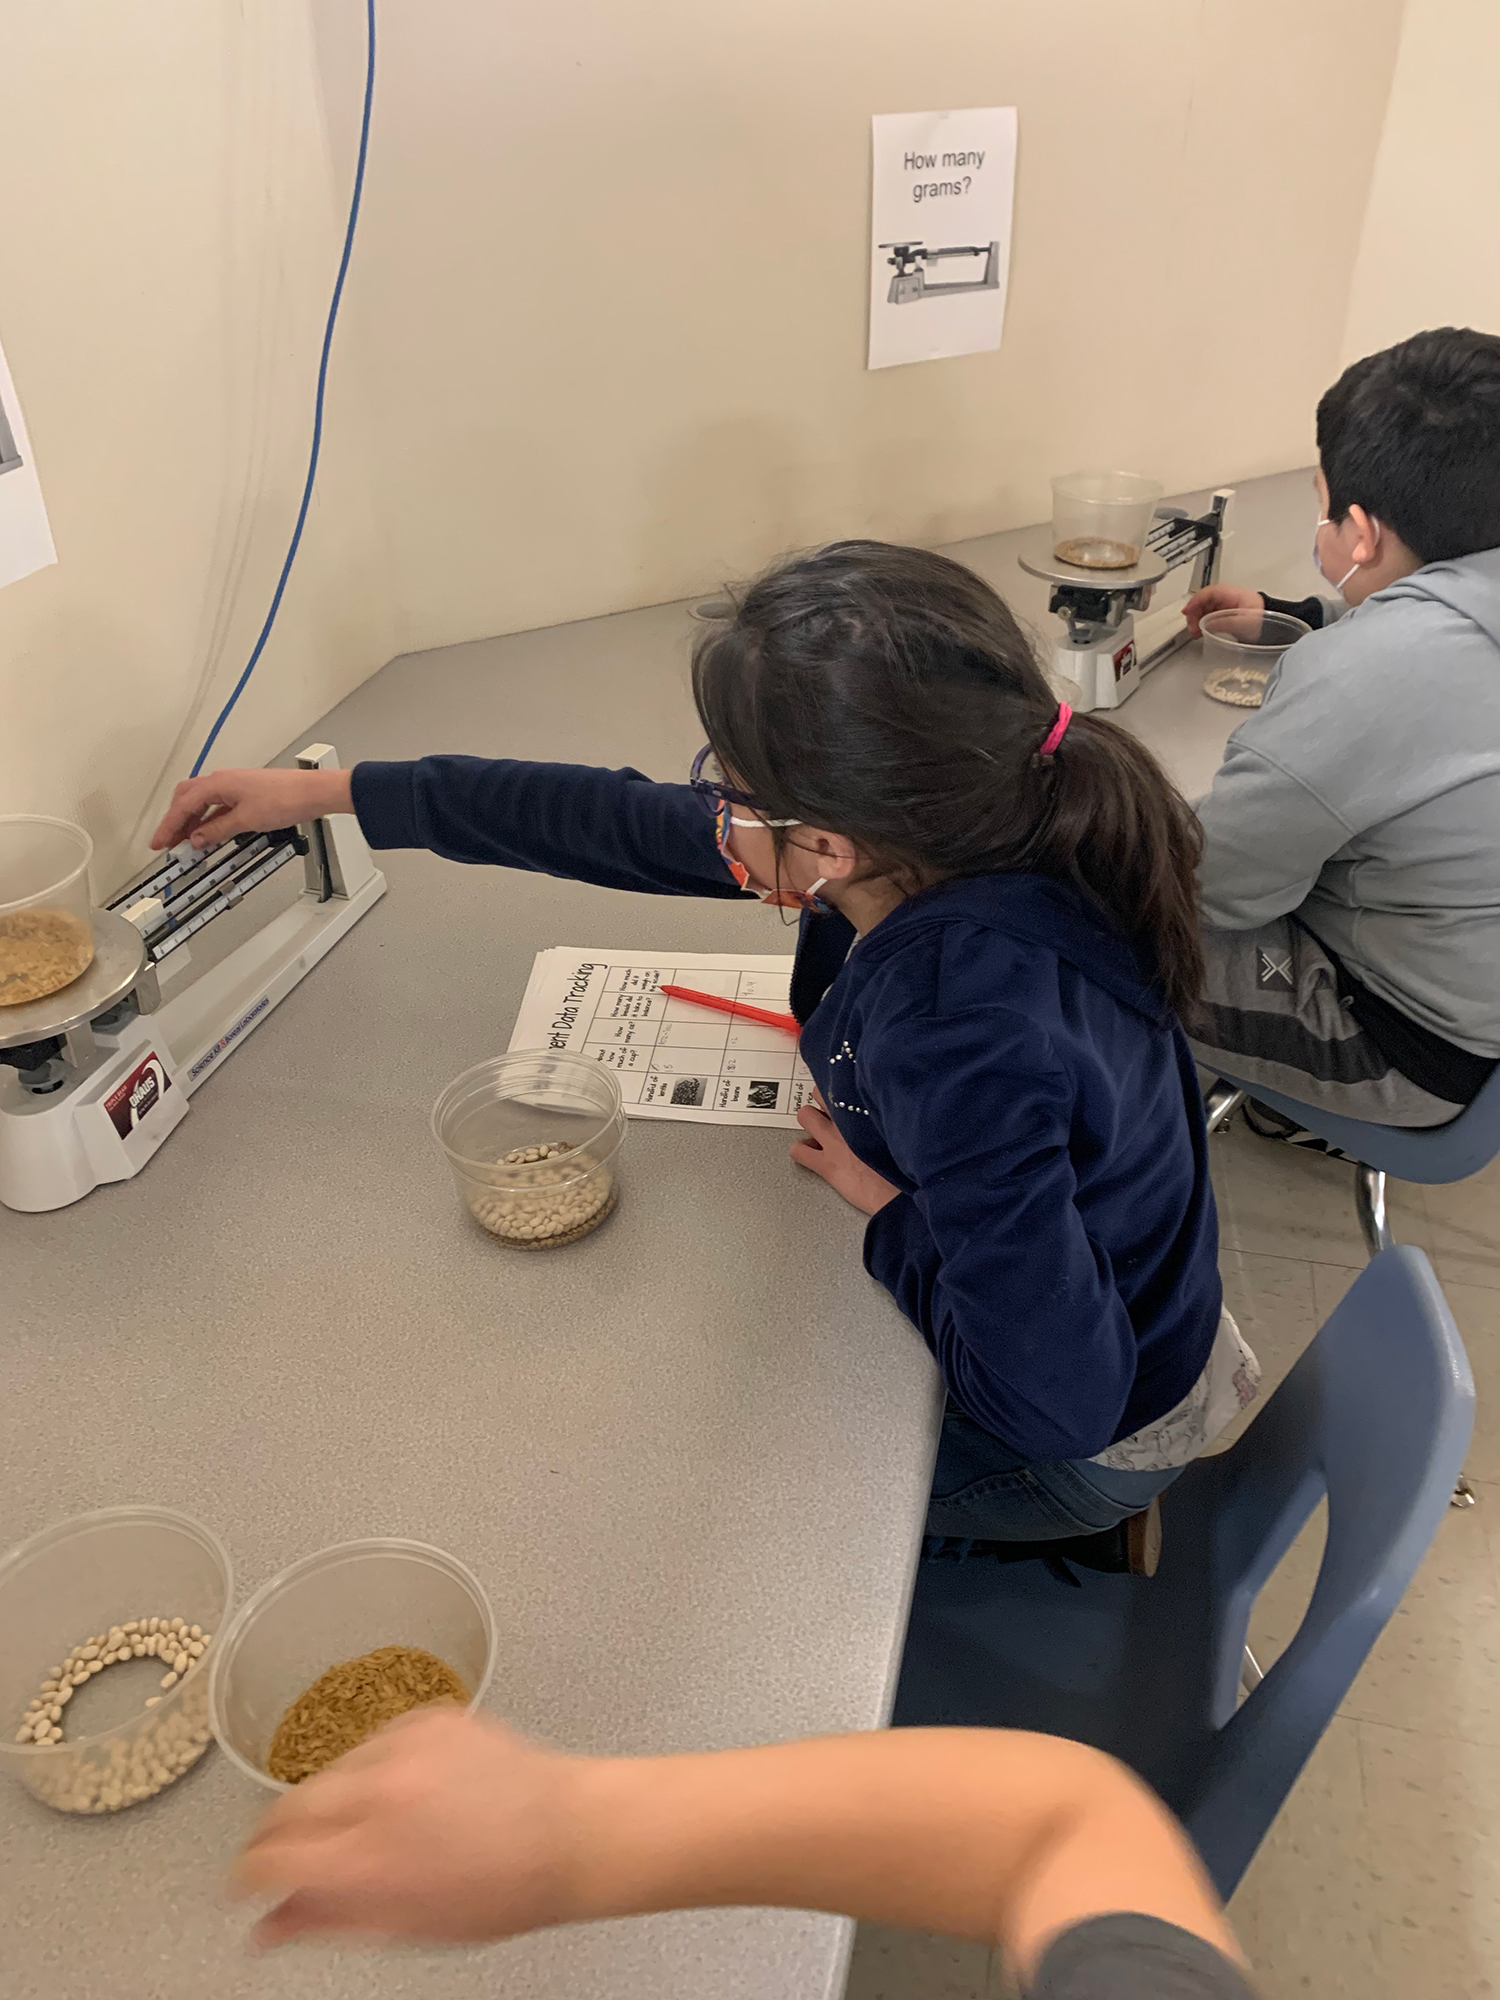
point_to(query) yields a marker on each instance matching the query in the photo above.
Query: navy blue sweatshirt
(990, 1047)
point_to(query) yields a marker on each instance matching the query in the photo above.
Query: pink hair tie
(1055, 734)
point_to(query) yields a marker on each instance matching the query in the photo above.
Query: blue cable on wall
(317, 434)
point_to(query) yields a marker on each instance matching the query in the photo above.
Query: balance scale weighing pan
(119, 961)
(1036, 558)
(188, 961)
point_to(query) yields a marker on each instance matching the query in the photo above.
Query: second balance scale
(1105, 651)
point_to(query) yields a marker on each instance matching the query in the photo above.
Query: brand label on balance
(134, 1099)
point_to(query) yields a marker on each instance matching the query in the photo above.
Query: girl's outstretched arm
(618, 829)
(450, 1827)
(614, 828)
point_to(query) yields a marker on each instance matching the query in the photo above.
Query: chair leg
(1369, 1202)
(1221, 1103)
(1250, 1673)
(1464, 1494)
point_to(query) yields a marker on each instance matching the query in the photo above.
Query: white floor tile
(1476, 1309)
(1284, 1202)
(1308, 1911)
(1466, 1229)
(1432, 1810)
(1436, 1667)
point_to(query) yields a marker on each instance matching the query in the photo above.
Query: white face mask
(785, 899)
(1318, 560)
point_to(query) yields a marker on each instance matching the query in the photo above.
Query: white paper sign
(671, 1058)
(25, 537)
(944, 186)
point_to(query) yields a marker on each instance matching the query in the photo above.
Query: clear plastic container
(533, 1141)
(70, 1584)
(46, 930)
(1100, 520)
(1241, 646)
(336, 1605)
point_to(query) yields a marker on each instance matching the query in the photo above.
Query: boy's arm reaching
(449, 1827)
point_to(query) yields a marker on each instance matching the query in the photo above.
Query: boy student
(1350, 877)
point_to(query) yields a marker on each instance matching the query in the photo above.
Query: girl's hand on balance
(209, 809)
(825, 1152)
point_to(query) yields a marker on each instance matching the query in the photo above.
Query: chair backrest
(1431, 1154)
(1377, 1415)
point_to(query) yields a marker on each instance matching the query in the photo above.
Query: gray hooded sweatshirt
(1365, 796)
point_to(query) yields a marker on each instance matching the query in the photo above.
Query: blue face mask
(1318, 560)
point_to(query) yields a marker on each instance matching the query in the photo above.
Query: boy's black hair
(1412, 435)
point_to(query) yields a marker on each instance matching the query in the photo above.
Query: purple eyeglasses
(712, 787)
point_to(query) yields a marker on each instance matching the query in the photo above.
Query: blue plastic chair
(1430, 1154)
(1377, 1414)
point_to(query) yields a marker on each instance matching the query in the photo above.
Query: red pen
(786, 1022)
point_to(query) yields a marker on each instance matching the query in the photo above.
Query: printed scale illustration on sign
(673, 1059)
(911, 282)
(940, 217)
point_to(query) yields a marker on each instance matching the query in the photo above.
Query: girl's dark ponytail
(888, 694)
(1111, 822)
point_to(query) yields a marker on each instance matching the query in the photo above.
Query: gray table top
(688, 1457)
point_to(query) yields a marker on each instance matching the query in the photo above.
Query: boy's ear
(1367, 548)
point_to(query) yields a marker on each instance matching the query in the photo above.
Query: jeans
(984, 1490)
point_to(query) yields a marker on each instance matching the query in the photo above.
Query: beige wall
(614, 284)
(1429, 254)
(167, 243)
(604, 340)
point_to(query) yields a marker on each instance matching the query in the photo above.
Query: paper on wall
(944, 185)
(671, 1059)
(25, 536)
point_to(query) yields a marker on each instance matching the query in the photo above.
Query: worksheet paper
(942, 181)
(672, 1059)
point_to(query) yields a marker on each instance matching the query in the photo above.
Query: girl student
(999, 929)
